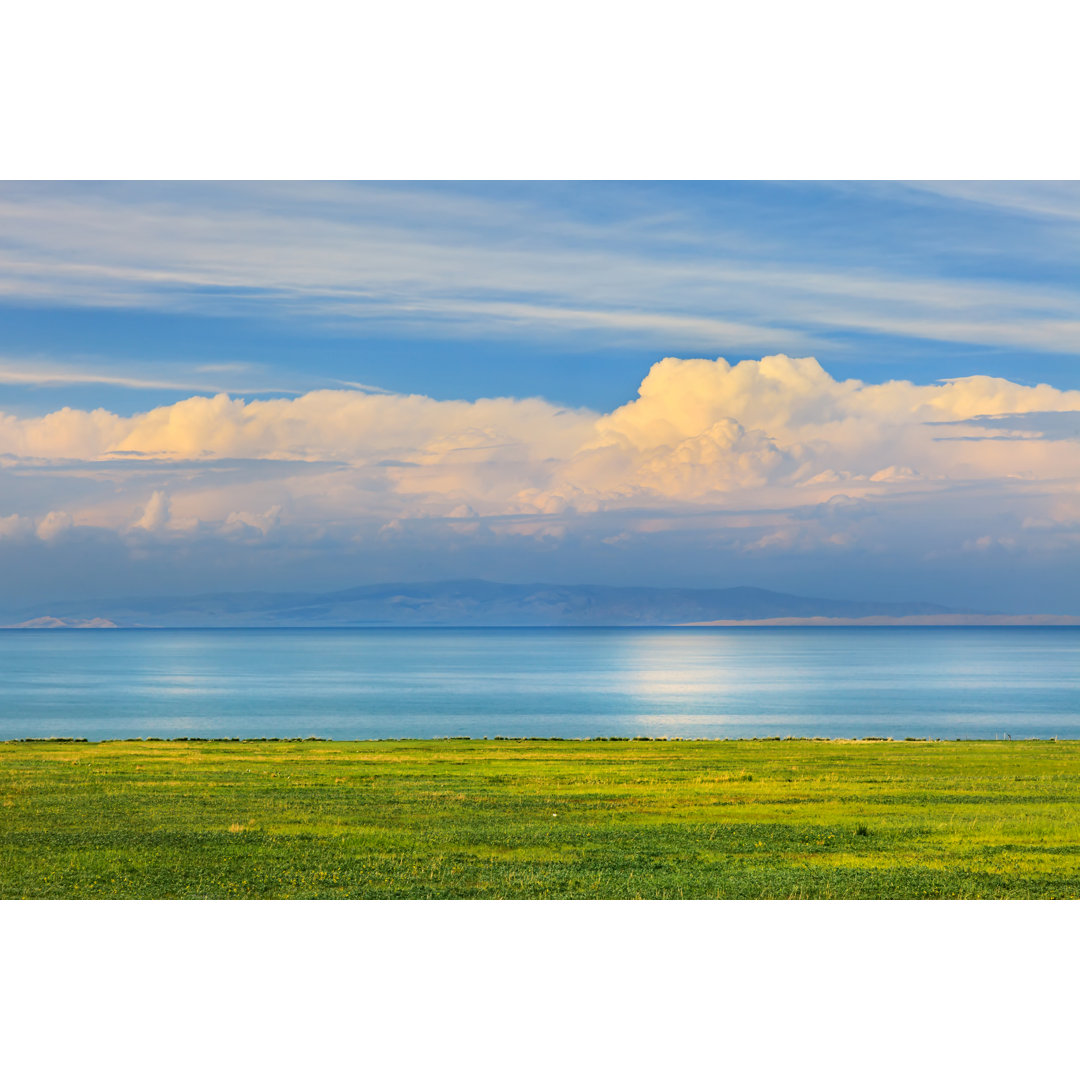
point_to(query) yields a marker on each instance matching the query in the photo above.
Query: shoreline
(61, 740)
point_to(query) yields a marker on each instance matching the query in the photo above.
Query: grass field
(476, 818)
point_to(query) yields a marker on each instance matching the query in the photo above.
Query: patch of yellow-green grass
(540, 818)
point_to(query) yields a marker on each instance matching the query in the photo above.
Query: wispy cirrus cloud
(1056, 200)
(438, 261)
(38, 372)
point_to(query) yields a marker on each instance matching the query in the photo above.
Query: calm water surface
(701, 683)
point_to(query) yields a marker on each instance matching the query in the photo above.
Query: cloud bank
(749, 459)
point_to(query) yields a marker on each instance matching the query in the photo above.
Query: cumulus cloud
(776, 448)
(15, 526)
(247, 524)
(351, 426)
(156, 513)
(54, 524)
(800, 422)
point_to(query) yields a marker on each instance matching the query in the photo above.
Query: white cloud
(701, 438)
(1056, 200)
(15, 527)
(156, 513)
(246, 523)
(54, 524)
(439, 260)
(35, 372)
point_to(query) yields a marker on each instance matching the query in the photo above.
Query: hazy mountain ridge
(469, 603)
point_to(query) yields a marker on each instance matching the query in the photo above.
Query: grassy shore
(540, 818)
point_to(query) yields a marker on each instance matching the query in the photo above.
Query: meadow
(478, 818)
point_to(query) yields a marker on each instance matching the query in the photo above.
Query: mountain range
(469, 603)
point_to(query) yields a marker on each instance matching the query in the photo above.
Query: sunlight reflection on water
(940, 682)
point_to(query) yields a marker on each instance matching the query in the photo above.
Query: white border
(568, 89)
(527, 989)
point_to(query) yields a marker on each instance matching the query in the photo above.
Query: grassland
(478, 818)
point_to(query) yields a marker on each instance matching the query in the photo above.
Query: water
(691, 683)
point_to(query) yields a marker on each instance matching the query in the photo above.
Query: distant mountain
(469, 603)
(50, 622)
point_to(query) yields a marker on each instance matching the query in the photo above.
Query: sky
(861, 390)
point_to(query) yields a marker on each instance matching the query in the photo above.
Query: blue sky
(564, 290)
(125, 298)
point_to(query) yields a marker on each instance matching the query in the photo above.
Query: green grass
(540, 818)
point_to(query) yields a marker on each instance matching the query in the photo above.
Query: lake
(969, 682)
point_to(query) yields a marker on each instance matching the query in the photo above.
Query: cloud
(1036, 198)
(326, 425)
(438, 260)
(156, 513)
(35, 372)
(245, 523)
(1064, 424)
(701, 430)
(15, 527)
(760, 459)
(54, 524)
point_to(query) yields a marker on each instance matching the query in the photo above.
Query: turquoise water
(696, 683)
